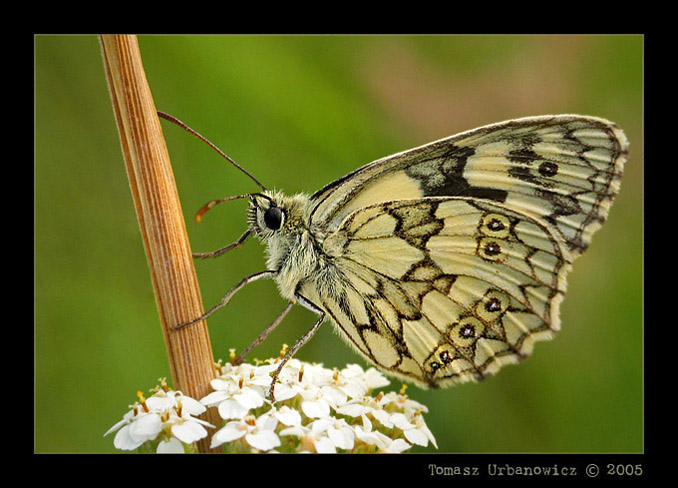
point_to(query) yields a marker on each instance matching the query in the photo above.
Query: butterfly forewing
(564, 169)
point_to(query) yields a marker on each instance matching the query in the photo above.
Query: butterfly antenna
(204, 139)
(208, 205)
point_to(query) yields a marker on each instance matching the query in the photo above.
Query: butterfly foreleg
(221, 251)
(262, 275)
(263, 335)
(304, 339)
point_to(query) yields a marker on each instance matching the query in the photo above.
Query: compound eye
(273, 218)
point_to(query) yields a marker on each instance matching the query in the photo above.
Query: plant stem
(160, 219)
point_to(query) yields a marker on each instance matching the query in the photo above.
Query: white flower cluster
(316, 410)
(166, 417)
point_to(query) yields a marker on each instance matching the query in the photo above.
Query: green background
(299, 112)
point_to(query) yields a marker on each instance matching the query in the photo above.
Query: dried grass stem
(160, 218)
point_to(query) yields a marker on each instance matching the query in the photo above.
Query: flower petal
(315, 409)
(342, 438)
(283, 392)
(214, 398)
(188, 432)
(398, 445)
(118, 425)
(249, 398)
(288, 416)
(353, 409)
(297, 430)
(230, 409)
(383, 417)
(334, 396)
(170, 446)
(160, 402)
(191, 406)
(324, 445)
(400, 421)
(415, 436)
(263, 440)
(145, 428)
(124, 441)
(230, 432)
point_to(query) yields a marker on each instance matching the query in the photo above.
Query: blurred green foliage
(299, 112)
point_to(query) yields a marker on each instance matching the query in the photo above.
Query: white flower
(383, 442)
(288, 416)
(371, 437)
(397, 446)
(296, 430)
(189, 430)
(356, 382)
(135, 429)
(322, 435)
(315, 373)
(283, 388)
(401, 402)
(340, 434)
(417, 432)
(167, 413)
(259, 432)
(315, 406)
(317, 442)
(310, 400)
(366, 405)
(235, 393)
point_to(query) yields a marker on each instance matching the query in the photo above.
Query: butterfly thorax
(293, 249)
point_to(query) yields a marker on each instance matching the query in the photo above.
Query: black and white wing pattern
(450, 259)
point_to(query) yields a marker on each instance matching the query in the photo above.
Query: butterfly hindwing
(443, 290)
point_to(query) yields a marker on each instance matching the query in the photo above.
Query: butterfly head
(272, 213)
(265, 215)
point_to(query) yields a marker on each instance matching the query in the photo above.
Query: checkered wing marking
(443, 290)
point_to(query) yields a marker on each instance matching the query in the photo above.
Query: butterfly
(442, 263)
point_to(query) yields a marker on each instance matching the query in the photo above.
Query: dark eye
(273, 218)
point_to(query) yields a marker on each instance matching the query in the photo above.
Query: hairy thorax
(295, 251)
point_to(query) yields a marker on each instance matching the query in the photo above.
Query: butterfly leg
(311, 306)
(263, 335)
(262, 275)
(221, 251)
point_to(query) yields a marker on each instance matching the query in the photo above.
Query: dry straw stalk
(160, 219)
